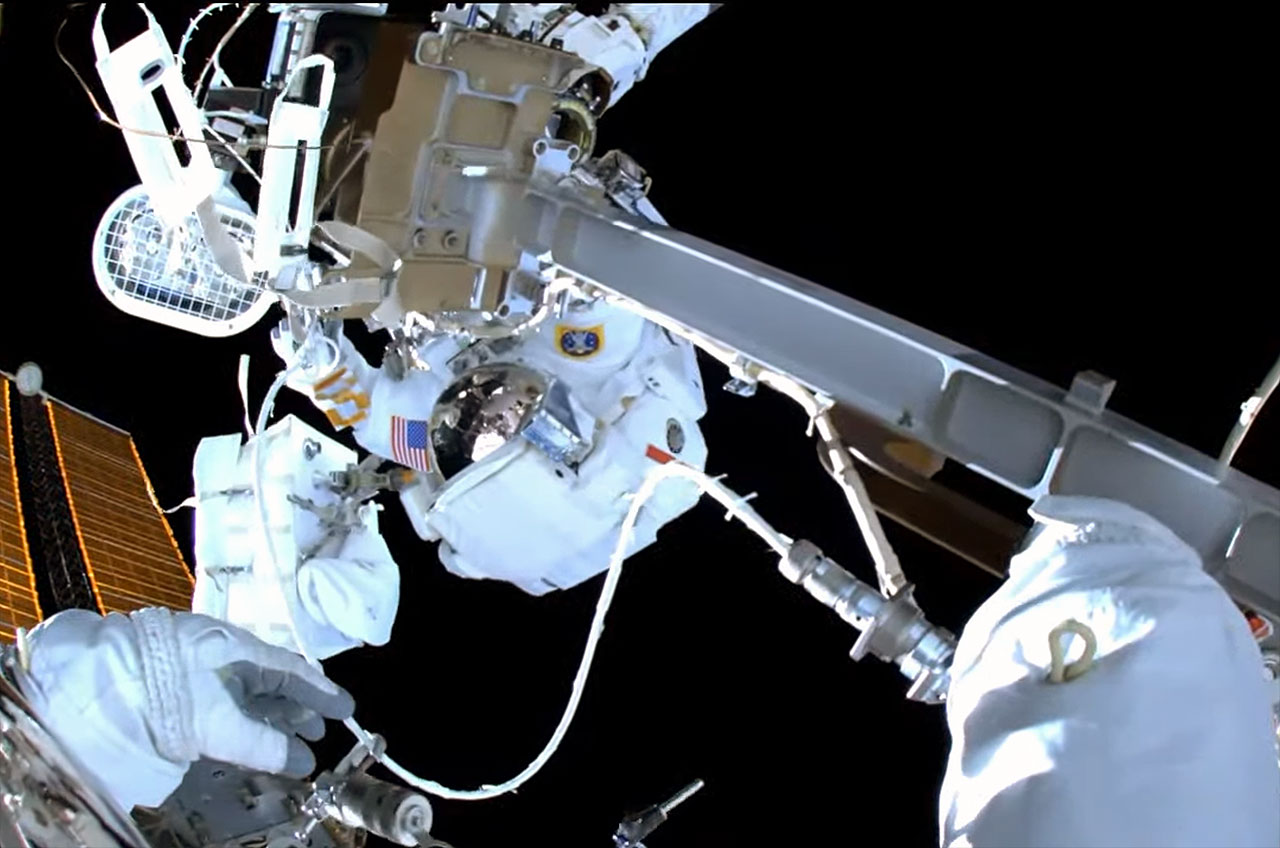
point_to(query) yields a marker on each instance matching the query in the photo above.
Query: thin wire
(107, 119)
(365, 146)
(1248, 414)
(547, 32)
(213, 60)
(342, 135)
(185, 41)
(227, 145)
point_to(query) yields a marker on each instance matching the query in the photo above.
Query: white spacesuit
(1163, 737)
(530, 493)
(524, 454)
(513, 512)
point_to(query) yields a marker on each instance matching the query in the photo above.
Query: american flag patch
(409, 443)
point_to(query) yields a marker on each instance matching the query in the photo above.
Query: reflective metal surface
(481, 411)
(1006, 425)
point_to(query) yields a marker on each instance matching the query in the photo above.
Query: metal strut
(1026, 434)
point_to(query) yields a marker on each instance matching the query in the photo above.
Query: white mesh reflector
(171, 277)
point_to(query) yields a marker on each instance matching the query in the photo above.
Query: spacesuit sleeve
(341, 391)
(375, 404)
(1166, 739)
(626, 39)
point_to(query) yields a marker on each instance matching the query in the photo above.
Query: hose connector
(892, 629)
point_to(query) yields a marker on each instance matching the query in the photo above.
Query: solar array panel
(19, 606)
(131, 556)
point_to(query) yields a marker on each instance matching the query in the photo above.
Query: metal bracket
(554, 158)
(1090, 391)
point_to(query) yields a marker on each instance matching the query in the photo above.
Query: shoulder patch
(579, 342)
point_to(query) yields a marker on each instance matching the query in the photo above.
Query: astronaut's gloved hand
(138, 698)
(334, 375)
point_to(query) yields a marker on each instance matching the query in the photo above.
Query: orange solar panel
(129, 551)
(19, 606)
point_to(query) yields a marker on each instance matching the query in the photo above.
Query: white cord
(888, 568)
(736, 506)
(1248, 414)
(264, 527)
(191, 30)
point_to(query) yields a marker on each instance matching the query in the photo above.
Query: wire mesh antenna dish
(171, 276)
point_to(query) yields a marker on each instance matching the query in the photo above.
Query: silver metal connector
(892, 629)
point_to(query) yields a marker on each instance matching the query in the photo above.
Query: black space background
(1059, 189)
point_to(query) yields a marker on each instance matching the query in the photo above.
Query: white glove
(336, 378)
(138, 698)
(1164, 740)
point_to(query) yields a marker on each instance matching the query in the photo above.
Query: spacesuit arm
(624, 40)
(371, 401)
(1164, 738)
(340, 386)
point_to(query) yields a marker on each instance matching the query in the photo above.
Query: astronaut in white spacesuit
(1164, 736)
(1160, 733)
(519, 455)
(516, 509)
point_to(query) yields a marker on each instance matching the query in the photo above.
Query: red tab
(1260, 627)
(658, 455)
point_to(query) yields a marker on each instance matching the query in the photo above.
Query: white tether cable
(887, 565)
(214, 58)
(191, 30)
(735, 505)
(888, 568)
(264, 525)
